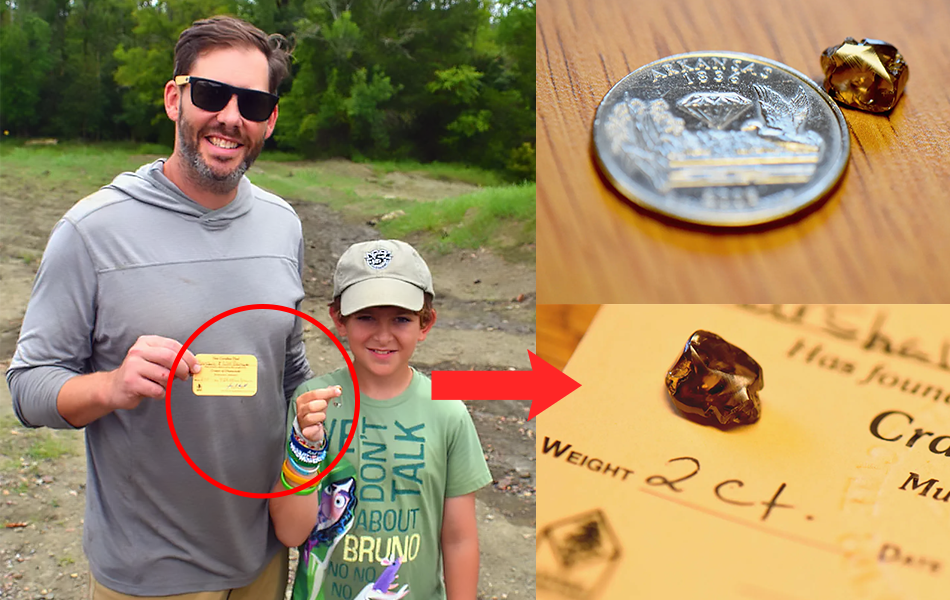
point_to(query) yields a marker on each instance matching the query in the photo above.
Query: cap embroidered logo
(379, 258)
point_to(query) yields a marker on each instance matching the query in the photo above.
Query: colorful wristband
(287, 470)
(303, 455)
(287, 486)
(301, 449)
(303, 440)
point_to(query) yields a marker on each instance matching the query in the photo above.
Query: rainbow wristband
(303, 460)
(293, 476)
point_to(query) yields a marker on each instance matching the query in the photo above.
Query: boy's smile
(382, 340)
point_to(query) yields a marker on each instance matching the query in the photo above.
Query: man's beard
(200, 172)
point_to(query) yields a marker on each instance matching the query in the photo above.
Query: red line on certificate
(792, 538)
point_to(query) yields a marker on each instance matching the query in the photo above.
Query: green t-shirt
(408, 455)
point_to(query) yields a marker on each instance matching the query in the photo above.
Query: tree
(88, 98)
(25, 47)
(449, 80)
(146, 63)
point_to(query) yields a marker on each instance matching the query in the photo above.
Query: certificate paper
(840, 490)
(225, 375)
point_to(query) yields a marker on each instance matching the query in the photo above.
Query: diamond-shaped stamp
(576, 555)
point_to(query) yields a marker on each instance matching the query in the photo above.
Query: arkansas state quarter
(720, 138)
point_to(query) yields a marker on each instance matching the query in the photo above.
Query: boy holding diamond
(396, 517)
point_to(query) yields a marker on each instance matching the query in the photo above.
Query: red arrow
(543, 385)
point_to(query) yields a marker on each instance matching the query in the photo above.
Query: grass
(498, 216)
(442, 171)
(276, 156)
(29, 445)
(47, 447)
(307, 182)
(11, 445)
(88, 166)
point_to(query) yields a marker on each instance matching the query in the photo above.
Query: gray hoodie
(139, 257)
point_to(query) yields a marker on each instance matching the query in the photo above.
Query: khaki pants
(270, 585)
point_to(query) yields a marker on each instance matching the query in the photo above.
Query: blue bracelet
(307, 455)
(302, 470)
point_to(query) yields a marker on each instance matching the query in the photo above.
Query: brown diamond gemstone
(869, 75)
(715, 382)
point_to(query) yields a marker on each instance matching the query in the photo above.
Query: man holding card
(129, 273)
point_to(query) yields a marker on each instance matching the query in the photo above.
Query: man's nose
(230, 114)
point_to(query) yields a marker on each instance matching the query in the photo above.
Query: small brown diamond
(716, 382)
(869, 75)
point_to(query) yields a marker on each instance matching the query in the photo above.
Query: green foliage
(298, 126)
(25, 47)
(516, 35)
(263, 14)
(88, 99)
(140, 74)
(400, 79)
(147, 63)
(522, 164)
(462, 83)
(333, 110)
(343, 36)
(367, 120)
(471, 122)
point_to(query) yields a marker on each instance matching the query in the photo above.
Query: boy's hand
(312, 411)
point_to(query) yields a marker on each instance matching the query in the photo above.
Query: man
(129, 274)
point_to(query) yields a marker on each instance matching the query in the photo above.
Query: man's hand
(144, 372)
(312, 411)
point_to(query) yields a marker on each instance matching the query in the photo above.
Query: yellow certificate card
(225, 375)
(841, 490)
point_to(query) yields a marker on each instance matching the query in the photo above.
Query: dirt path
(481, 325)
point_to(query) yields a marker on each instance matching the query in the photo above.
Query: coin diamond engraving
(715, 109)
(724, 147)
(771, 150)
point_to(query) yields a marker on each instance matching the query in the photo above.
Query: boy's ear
(338, 322)
(425, 330)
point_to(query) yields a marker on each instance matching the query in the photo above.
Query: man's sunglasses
(212, 96)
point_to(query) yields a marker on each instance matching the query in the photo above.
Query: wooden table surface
(883, 235)
(560, 328)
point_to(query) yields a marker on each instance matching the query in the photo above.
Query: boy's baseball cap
(381, 273)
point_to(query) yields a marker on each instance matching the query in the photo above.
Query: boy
(396, 518)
